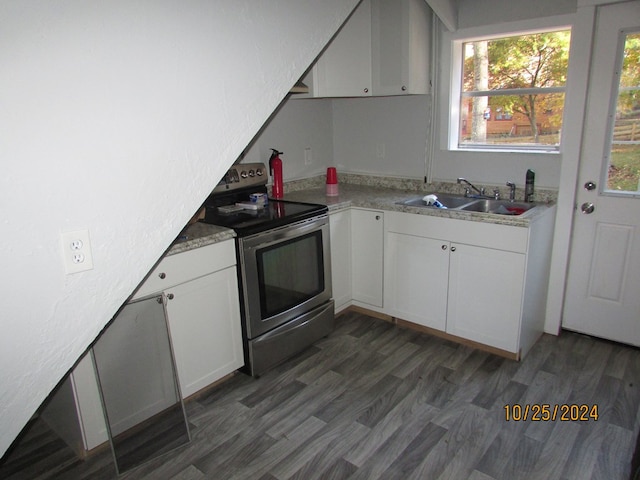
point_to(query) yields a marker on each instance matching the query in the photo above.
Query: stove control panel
(241, 176)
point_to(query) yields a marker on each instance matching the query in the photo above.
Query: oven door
(285, 272)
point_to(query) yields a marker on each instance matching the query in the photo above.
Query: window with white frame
(511, 91)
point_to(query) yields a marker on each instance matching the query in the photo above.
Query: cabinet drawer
(182, 267)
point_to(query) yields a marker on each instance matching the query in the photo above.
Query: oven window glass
(290, 273)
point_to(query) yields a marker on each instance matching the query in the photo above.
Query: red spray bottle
(275, 166)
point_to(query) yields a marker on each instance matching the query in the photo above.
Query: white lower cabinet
(484, 301)
(412, 291)
(367, 257)
(204, 323)
(340, 238)
(479, 281)
(203, 314)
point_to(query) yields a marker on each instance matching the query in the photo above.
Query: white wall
(120, 117)
(371, 135)
(298, 125)
(381, 135)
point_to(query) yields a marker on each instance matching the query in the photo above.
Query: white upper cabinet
(344, 69)
(400, 39)
(382, 49)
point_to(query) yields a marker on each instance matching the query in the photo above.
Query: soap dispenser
(528, 185)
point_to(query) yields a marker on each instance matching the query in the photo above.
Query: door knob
(587, 207)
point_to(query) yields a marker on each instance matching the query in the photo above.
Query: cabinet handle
(162, 275)
(170, 296)
(444, 247)
(377, 217)
(453, 249)
(404, 88)
(366, 90)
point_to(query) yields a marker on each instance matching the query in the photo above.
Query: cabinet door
(204, 320)
(485, 295)
(340, 233)
(416, 278)
(400, 39)
(344, 68)
(367, 256)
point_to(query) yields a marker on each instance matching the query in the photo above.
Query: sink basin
(500, 207)
(448, 200)
(470, 204)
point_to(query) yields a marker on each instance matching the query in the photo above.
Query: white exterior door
(603, 283)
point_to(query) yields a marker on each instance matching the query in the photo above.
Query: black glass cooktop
(274, 214)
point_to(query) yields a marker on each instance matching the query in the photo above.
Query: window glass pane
(528, 74)
(526, 61)
(623, 174)
(519, 120)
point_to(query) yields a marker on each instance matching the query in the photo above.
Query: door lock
(589, 186)
(587, 207)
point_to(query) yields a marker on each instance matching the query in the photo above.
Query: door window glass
(622, 152)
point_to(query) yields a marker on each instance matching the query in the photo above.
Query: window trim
(452, 49)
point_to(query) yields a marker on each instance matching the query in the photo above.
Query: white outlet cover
(76, 251)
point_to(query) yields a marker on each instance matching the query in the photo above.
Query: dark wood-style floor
(373, 401)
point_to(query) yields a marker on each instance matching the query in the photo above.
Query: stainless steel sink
(500, 207)
(448, 200)
(469, 204)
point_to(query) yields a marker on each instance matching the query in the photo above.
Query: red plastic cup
(332, 182)
(332, 176)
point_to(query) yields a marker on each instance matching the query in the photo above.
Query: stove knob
(252, 173)
(259, 172)
(244, 174)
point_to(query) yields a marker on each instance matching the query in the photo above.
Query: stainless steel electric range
(284, 266)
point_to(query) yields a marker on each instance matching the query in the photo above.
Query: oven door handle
(270, 237)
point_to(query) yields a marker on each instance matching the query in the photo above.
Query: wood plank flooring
(374, 401)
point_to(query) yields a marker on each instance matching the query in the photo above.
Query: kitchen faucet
(512, 191)
(467, 190)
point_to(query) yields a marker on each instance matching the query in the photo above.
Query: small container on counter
(332, 182)
(259, 198)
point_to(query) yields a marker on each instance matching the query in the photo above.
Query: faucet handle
(496, 194)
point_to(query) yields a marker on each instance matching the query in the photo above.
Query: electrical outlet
(76, 251)
(308, 158)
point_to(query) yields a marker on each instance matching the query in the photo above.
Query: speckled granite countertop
(376, 193)
(381, 198)
(198, 235)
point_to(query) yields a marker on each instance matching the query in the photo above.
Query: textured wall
(120, 117)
